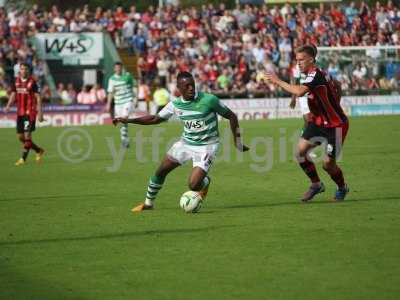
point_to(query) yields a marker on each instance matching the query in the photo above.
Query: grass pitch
(67, 231)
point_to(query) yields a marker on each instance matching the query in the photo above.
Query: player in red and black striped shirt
(25, 93)
(329, 123)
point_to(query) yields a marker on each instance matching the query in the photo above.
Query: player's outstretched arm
(145, 120)
(297, 90)
(234, 123)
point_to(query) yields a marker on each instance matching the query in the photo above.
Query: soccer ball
(191, 202)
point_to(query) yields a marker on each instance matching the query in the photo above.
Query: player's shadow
(119, 235)
(314, 202)
(89, 160)
(23, 285)
(27, 198)
(373, 199)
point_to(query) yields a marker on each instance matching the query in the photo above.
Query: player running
(328, 122)
(121, 88)
(29, 106)
(199, 141)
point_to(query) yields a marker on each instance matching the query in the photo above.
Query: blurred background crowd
(226, 49)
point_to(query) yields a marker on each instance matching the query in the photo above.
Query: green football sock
(155, 185)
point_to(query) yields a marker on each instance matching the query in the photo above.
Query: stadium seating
(226, 49)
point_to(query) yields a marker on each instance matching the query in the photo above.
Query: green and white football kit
(121, 86)
(200, 139)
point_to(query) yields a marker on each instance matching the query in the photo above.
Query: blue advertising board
(375, 109)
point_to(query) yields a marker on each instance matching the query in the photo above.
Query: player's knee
(329, 165)
(21, 139)
(28, 144)
(301, 154)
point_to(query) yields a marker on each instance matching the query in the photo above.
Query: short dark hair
(184, 75)
(118, 63)
(24, 64)
(309, 49)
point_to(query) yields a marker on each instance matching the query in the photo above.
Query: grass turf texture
(67, 231)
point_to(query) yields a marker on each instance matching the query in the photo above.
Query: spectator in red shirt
(119, 18)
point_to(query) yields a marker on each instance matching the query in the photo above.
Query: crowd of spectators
(87, 95)
(226, 49)
(16, 48)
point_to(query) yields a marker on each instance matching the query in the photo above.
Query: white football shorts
(123, 110)
(201, 156)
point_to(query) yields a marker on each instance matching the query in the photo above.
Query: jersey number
(26, 125)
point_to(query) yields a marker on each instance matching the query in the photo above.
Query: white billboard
(72, 48)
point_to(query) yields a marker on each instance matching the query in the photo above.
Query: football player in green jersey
(122, 89)
(200, 139)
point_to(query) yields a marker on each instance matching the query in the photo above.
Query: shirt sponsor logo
(194, 125)
(22, 90)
